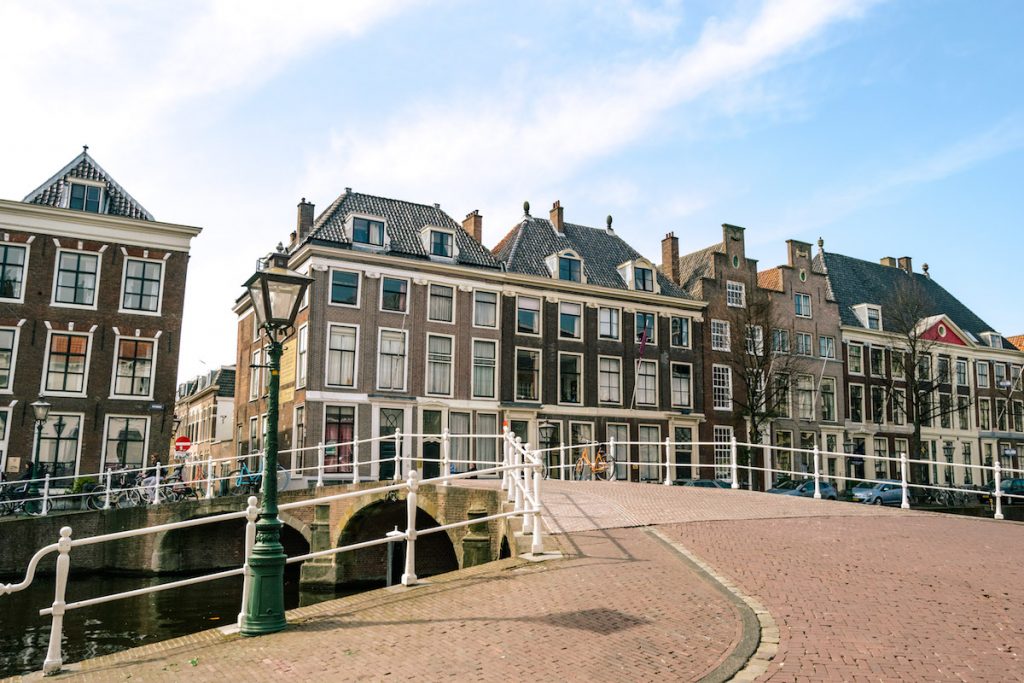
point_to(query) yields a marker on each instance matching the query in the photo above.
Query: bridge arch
(219, 545)
(435, 554)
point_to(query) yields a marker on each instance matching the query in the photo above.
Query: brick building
(205, 405)
(91, 291)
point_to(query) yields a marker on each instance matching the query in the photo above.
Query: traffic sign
(182, 444)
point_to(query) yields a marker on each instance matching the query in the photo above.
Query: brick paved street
(857, 593)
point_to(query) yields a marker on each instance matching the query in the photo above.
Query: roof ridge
(73, 164)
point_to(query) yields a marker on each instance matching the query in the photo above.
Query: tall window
(7, 339)
(805, 397)
(570, 369)
(643, 279)
(300, 426)
(856, 359)
(681, 383)
(609, 380)
(486, 446)
(142, 285)
(945, 410)
(58, 447)
(721, 387)
(12, 271)
(963, 404)
(802, 303)
(723, 448)
(528, 315)
(484, 366)
(783, 405)
(65, 362)
(983, 374)
(961, 373)
(126, 442)
(877, 405)
(302, 356)
(984, 414)
(366, 231)
(876, 358)
(944, 376)
(647, 383)
(394, 294)
(391, 360)
(254, 376)
(803, 344)
(720, 335)
(439, 365)
(874, 318)
(899, 406)
(485, 309)
(134, 373)
(680, 331)
(999, 373)
(76, 278)
(344, 287)
(828, 399)
(755, 340)
(527, 375)
(341, 356)
(856, 403)
(441, 243)
(570, 321)
(568, 269)
(649, 452)
(441, 307)
(735, 294)
(645, 322)
(827, 347)
(780, 341)
(339, 433)
(608, 323)
(85, 197)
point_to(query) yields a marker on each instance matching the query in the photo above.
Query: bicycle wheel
(237, 484)
(96, 498)
(578, 470)
(609, 470)
(34, 507)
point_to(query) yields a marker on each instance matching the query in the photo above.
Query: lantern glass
(276, 293)
(40, 410)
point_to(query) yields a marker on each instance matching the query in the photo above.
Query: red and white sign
(182, 444)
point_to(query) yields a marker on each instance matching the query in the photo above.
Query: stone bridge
(221, 545)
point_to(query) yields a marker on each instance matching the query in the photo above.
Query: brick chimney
(905, 264)
(473, 224)
(304, 222)
(556, 217)
(888, 261)
(670, 257)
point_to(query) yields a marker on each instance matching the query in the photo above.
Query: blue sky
(888, 129)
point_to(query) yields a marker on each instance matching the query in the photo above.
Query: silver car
(882, 492)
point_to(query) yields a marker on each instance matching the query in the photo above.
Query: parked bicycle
(16, 497)
(601, 466)
(244, 481)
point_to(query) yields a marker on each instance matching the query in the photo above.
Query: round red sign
(182, 443)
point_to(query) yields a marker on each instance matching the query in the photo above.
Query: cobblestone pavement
(623, 606)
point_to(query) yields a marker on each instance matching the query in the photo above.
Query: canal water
(115, 626)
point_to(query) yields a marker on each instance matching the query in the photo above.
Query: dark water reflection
(115, 626)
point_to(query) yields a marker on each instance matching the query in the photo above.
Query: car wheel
(876, 501)
(831, 498)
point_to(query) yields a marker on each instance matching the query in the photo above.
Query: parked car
(805, 489)
(881, 492)
(1009, 487)
(708, 483)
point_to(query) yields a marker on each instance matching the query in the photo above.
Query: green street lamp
(276, 293)
(40, 411)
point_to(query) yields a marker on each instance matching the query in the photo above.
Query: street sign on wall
(182, 444)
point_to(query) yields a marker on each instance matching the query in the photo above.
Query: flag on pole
(643, 337)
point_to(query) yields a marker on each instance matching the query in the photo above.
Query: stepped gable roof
(698, 264)
(117, 201)
(770, 279)
(529, 243)
(854, 281)
(403, 222)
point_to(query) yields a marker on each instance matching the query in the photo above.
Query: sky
(885, 128)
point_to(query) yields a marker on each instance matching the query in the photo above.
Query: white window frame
(618, 361)
(833, 405)
(877, 311)
(254, 374)
(849, 405)
(302, 356)
(455, 302)
(106, 432)
(636, 382)
(81, 429)
(672, 389)
(495, 368)
(426, 365)
(652, 340)
(733, 291)
(849, 358)
(796, 311)
(405, 362)
(56, 272)
(101, 186)
(124, 285)
(540, 374)
(618, 323)
(540, 315)
(367, 246)
(428, 242)
(725, 332)
(298, 443)
(152, 375)
(380, 294)
(580, 311)
(330, 287)
(830, 346)
(885, 403)
(497, 309)
(805, 350)
(717, 372)
(689, 331)
(14, 361)
(88, 362)
(355, 353)
(582, 385)
(808, 393)
(757, 347)
(722, 440)
(27, 246)
(988, 374)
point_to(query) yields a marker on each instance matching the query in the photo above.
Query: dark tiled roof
(854, 281)
(223, 377)
(225, 381)
(770, 279)
(525, 247)
(698, 264)
(404, 221)
(117, 201)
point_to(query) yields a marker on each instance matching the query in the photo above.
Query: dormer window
(85, 197)
(440, 243)
(368, 231)
(874, 318)
(643, 279)
(569, 268)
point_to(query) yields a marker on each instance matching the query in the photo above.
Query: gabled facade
(91, 292)
(205, 407)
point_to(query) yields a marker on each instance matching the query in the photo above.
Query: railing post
(537, 548)
(156, 485)
(614, 457)
(767, 466)
(567, 468)
(446, 456)
(106, 491)
(355, 463)
(733, 464)
(998, 490)
(409, 577)
(251, 514)
(46, 493)
(504, 457)
(398, 455)
(905, 498)
(209, 477)
(517, 473)
(321, 455)
(668, 461)
(817, 474)
(54, 661)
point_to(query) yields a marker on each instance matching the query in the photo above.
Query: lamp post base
(265, 613)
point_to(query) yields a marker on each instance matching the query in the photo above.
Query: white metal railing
(520, 470)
